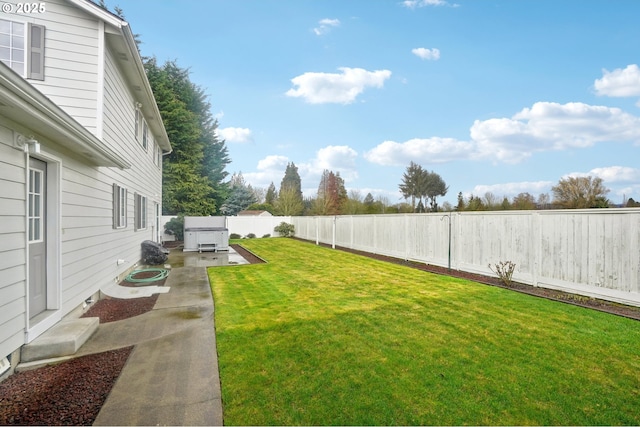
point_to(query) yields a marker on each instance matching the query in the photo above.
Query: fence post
(537, 250)
(333, 237)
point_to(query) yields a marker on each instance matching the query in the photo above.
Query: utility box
(205, 233)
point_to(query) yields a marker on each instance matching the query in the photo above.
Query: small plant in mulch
(504, 270)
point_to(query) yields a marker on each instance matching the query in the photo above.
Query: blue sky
(502, 96)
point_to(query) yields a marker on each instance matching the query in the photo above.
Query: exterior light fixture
(28, 145)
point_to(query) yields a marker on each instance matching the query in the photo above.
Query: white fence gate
(594, 252)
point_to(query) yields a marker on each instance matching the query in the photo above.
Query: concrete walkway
(171, 377)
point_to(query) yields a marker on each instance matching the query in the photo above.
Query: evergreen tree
(505, 206)
(290, 194)
(461, 204)
(241, 196)
(271, 195)
(410, 185)
(193, 173)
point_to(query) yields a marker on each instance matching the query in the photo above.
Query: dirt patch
(565, 297)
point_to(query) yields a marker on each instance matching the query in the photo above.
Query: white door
(37, 237)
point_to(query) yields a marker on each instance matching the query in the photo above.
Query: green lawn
(319, 336)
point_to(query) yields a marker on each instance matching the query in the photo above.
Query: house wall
(591, 252)
(86, 252)
(90, 245)
(12, 244)
(71, 58)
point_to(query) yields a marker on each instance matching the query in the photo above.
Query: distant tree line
(569, 193)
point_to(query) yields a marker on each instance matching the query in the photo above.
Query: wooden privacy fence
(592, 252)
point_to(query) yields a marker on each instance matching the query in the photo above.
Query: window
(22, 48)
(36, 208)
(119, 206)
(145, 135)
(140, 212)
(156, 155)
(138, 120)
(141, 128)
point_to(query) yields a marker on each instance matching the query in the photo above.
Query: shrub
(234, 236)
(175, 227)
(266, 235)
(250, 236)
(285, 229)
(504, 270)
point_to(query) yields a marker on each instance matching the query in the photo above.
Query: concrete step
(63, 339)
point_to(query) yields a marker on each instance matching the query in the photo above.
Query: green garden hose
(162, 274)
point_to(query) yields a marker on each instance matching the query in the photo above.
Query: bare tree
(543, 201)
(580, 192)
(490, 200)
(524, 201)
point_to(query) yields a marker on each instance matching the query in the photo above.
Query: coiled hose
(162, 273)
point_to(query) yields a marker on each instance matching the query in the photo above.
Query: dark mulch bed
(114, 309)
(249, 256)
(565, 297)
(69, 393)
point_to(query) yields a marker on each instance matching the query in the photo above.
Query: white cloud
(429, 150)
(545, 126)
(270, 169)
(619, 82)
(511, 189)
(336, 158)
(343, 88)
(617, 174)
(412, 4)
(612, 174)
(325, 26)
(551, 126)
(424, 53)
(238, 135)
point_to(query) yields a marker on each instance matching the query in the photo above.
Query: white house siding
(90, 245)
(71, 64)
(593, 252)
(87, 248)
(12, 244)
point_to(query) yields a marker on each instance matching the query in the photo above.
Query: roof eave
(25, 105)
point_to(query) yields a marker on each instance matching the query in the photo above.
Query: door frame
(52, 314)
